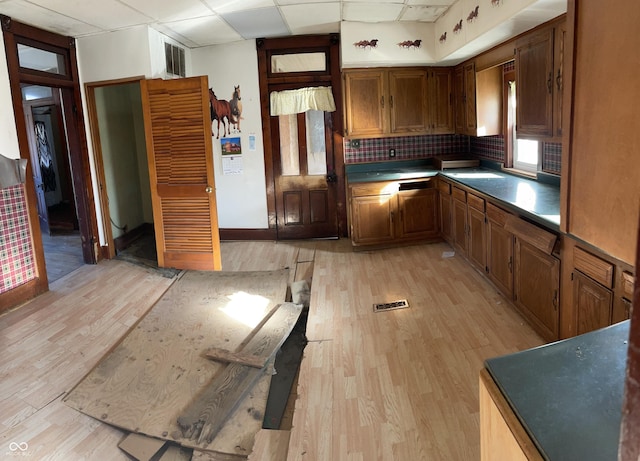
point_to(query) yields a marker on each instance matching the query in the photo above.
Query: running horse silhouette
(236, 108)
(219, 110)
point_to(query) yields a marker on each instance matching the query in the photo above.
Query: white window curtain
(299, 101)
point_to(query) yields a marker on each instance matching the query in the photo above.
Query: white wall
(8, 134)
(241, 199)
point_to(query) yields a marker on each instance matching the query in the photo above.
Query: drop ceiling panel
(205, 31)
(312, 19)
(431, 2)
(108, 14)
(422, 13)
(46, 19)
(227, 6)
(170, 11)
(371, 12)
(263, 22)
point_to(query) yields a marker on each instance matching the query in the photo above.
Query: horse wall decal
(219, 109)
(236, 108)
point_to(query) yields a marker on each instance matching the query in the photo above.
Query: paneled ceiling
(196, 23)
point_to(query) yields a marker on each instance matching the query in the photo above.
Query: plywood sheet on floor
(159, 367)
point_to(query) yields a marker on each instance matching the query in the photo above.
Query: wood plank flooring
(397, 385)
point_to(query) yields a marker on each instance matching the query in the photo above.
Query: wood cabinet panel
(536, 288)
(408, 101)
(441, 101)
(446, 217)
(534, 84)
(418, 213)
(560, 38)
(500, 256)
(593, 303)
(598, 269)
(372, 219)
(477, 245)
(365, 112)
(459, 226)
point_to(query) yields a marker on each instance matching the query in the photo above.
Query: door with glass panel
(303, 165)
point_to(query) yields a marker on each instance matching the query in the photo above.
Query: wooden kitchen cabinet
(593, 303)
(446, 211)
(499, 250)
(477, 232)
(397, 101)
(459, 220)
(539, 86)
(537, 288)
(477, 100)
(388, 212)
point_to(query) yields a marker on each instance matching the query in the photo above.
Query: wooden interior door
(305, 190)
(180, 152)
(43, 213)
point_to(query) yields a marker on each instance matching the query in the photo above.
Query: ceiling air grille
(174, 56)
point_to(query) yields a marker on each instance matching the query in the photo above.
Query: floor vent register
(384, 307)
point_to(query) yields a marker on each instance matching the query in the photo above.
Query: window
(522, 154)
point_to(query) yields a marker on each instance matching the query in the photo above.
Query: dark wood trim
(14, 33)
(126, 239)
(19, 294)
(248, 234)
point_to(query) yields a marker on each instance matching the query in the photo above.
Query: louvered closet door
(180, 153)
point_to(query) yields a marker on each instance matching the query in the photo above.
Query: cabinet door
(500, 257)
(441, 101)
(365, 112)
(418, 213)
(460, 226)
(592, 303)
(408, 101)
(560, 34)
(477, 239)
(536, 285)
(534, 85)
(446, 217)
(470, 98)
(372, 219)
(458, 97)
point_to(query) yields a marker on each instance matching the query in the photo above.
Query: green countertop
(538, 201)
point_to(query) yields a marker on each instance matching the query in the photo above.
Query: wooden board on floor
(140, 446)
(146, 382)
(270, 446)
(266, 341)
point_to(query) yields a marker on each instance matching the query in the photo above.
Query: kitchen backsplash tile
(407, 148)
(552, 157)
(488, 147)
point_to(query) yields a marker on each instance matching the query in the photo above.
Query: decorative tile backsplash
(552, 157)
(17, 264)
(406, 148)
(488, 147)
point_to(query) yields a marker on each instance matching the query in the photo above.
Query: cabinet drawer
(365, 189)
(459, 194)
(598, 269)
(444, 187)
(475, 202)
(627, 285)
(496, 214)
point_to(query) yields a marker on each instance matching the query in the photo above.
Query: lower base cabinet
(384, 213)
(537, 288)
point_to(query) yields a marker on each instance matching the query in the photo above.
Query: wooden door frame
(109, 250)
(330, 44)
(13, 33)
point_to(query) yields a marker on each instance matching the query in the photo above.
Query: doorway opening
(51, 170)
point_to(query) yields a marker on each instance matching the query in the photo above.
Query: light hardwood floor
(398, 385)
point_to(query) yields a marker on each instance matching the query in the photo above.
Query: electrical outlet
(355, 143)
(392, 152)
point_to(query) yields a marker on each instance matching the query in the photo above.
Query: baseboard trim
(248, 234)
(122, 242)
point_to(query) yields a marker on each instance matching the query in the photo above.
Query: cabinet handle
(391, 101)
(510, 264)
(391, 214)
(382, 101)
(550, 82)
(559, 80)
(555, 300)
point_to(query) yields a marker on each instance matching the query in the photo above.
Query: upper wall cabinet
(539, 61)
(478, 100)
(390, 102)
